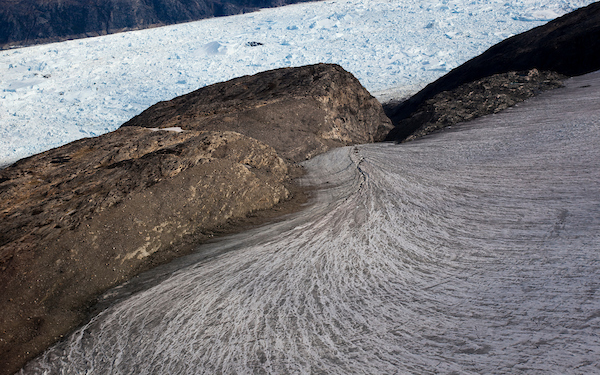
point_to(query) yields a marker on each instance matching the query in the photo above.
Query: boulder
(300, 112)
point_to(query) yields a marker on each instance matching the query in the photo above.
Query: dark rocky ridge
(479, 98)
(81, 218)
(299, 112)
(24, 22)
(569, 45)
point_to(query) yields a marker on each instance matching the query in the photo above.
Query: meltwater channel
(475, 250)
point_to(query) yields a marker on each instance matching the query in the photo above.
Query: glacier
(56, 93)
(471, 251)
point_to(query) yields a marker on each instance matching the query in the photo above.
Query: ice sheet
(56, 93)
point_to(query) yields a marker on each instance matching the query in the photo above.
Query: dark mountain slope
(569, 45)
(41, 21)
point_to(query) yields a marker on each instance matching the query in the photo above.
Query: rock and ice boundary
(81, 218)
(472, 251)
(438, 213)
(54, 94)
(569, 45)
(35, 22)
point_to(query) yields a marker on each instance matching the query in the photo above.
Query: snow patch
(175, 129)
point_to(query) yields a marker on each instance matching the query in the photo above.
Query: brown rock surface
(79, 219)
(300, 112)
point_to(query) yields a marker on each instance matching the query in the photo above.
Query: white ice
(56, 93)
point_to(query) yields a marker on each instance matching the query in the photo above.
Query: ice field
(473, 251)
(56, 93)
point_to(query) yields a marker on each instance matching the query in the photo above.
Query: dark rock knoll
(568, 45)
(81, 218)
(478, 98)
(25, 22)
(300, 112)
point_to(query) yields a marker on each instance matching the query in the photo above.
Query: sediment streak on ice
(473, 251)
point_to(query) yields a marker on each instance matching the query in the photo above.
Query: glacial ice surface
(472, 251)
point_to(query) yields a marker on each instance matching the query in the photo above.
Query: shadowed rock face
(81, 218)
(478, 98)
(300, 112)
(569, 45)
(39, 21)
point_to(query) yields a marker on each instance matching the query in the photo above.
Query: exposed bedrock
(300, 112)
(482, 97)
(84, 217)
(569, 45)
(89, 215)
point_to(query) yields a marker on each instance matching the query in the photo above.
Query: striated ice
(474, 251)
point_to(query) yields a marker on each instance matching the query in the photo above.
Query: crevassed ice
(55, 93)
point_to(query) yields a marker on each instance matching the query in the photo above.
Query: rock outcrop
(25, 22)
(569, 45)
(84, 217)
(81, 218)
(300, 112)
(479, 98)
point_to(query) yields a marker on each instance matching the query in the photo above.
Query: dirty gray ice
(475, 250)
